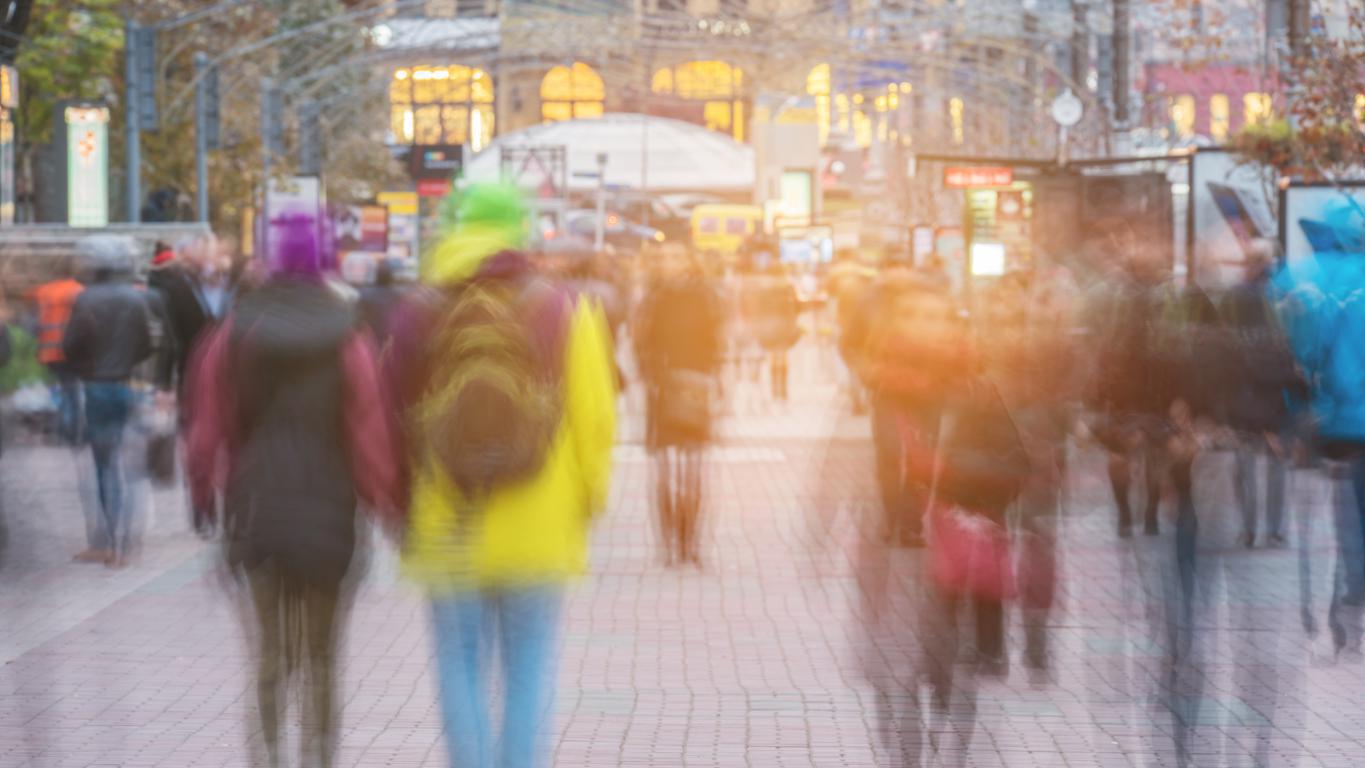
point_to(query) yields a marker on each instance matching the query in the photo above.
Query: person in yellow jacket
(495, 563)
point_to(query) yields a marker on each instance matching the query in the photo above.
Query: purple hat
(295, 247)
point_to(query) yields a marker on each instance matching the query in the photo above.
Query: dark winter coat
(109, 333)
(186, 315)
(291, 495)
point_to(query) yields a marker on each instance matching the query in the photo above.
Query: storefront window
(957, 121)
(818, 88)
(1256, 108)
(1219, 117)
(716, 84)
(571, 92)
(1182, 116)
(442, 105)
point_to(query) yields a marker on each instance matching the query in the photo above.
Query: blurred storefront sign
(922, 244)
(433, 187)
(362, 228)
(1000, 221)
(436, 162)
(403, 208)
(297, 194)
(975, 177)
(87, 165)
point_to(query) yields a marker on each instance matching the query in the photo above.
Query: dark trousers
(903, 501)
(777, 371)
(68, 403)
(678, 499)
(108, 407)
(297, 623)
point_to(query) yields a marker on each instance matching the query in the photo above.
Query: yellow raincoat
(535, 531)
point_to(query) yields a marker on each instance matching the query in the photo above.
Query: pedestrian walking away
(507, 392)
(108, 335)
(288, 398)
(678, 333)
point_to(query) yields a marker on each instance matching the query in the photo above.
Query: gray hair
(107, 253)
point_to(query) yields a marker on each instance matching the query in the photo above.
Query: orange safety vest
(54, 301)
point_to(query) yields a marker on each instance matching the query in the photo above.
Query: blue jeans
(524, 621)
(1249, 449)
(68, 397)
(108, 406)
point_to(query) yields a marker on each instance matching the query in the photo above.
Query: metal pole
(1123, 42)
(600, 239)
(267, 86)
(201, 144)
(132, 158)
(644, 165)
(1080, 44)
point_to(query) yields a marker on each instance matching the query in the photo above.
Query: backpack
(493, 402)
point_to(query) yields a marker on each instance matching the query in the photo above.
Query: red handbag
(969, 554)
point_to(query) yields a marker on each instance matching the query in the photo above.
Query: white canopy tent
(658, 153)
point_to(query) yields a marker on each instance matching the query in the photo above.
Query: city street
(753, 660)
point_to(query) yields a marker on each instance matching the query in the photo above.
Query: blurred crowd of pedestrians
(471, 417)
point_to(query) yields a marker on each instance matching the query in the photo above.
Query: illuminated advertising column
(9, 101)
(87, 165)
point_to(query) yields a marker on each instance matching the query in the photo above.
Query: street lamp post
(599, 240)
(132, 159)
(201, 139)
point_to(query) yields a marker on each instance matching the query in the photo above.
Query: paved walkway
(758, 659)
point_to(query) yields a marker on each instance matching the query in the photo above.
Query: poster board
(1229, 206)
(1318, 219)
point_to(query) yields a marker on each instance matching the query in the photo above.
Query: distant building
(465, 71)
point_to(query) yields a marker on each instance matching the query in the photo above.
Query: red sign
(971, 177)
(433, 187)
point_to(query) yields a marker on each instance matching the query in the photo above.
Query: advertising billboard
(362, 228)
(87, 166)
(1322, 220)
(1229, 208)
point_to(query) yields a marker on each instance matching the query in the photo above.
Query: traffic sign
(1067, 109)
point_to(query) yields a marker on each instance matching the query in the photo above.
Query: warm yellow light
(1256, 108)
(1219, 117)
(857, 98)
(401, 74)
(421, 74)
(817, 82)
(905, 87)
(476, 130)
(955, 113)
(1182, 116)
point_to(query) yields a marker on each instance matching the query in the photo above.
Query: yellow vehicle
(722, 228)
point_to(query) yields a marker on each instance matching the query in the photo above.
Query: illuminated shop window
(1220, 117)
(1182, 116)
(956, 119)
(571, 92)
(818, 88)
(442, 105)
(1256, 108)
(718, 85)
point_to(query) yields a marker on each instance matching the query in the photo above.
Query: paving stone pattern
(760, 658)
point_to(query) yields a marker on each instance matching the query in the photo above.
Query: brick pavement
(758, 659)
